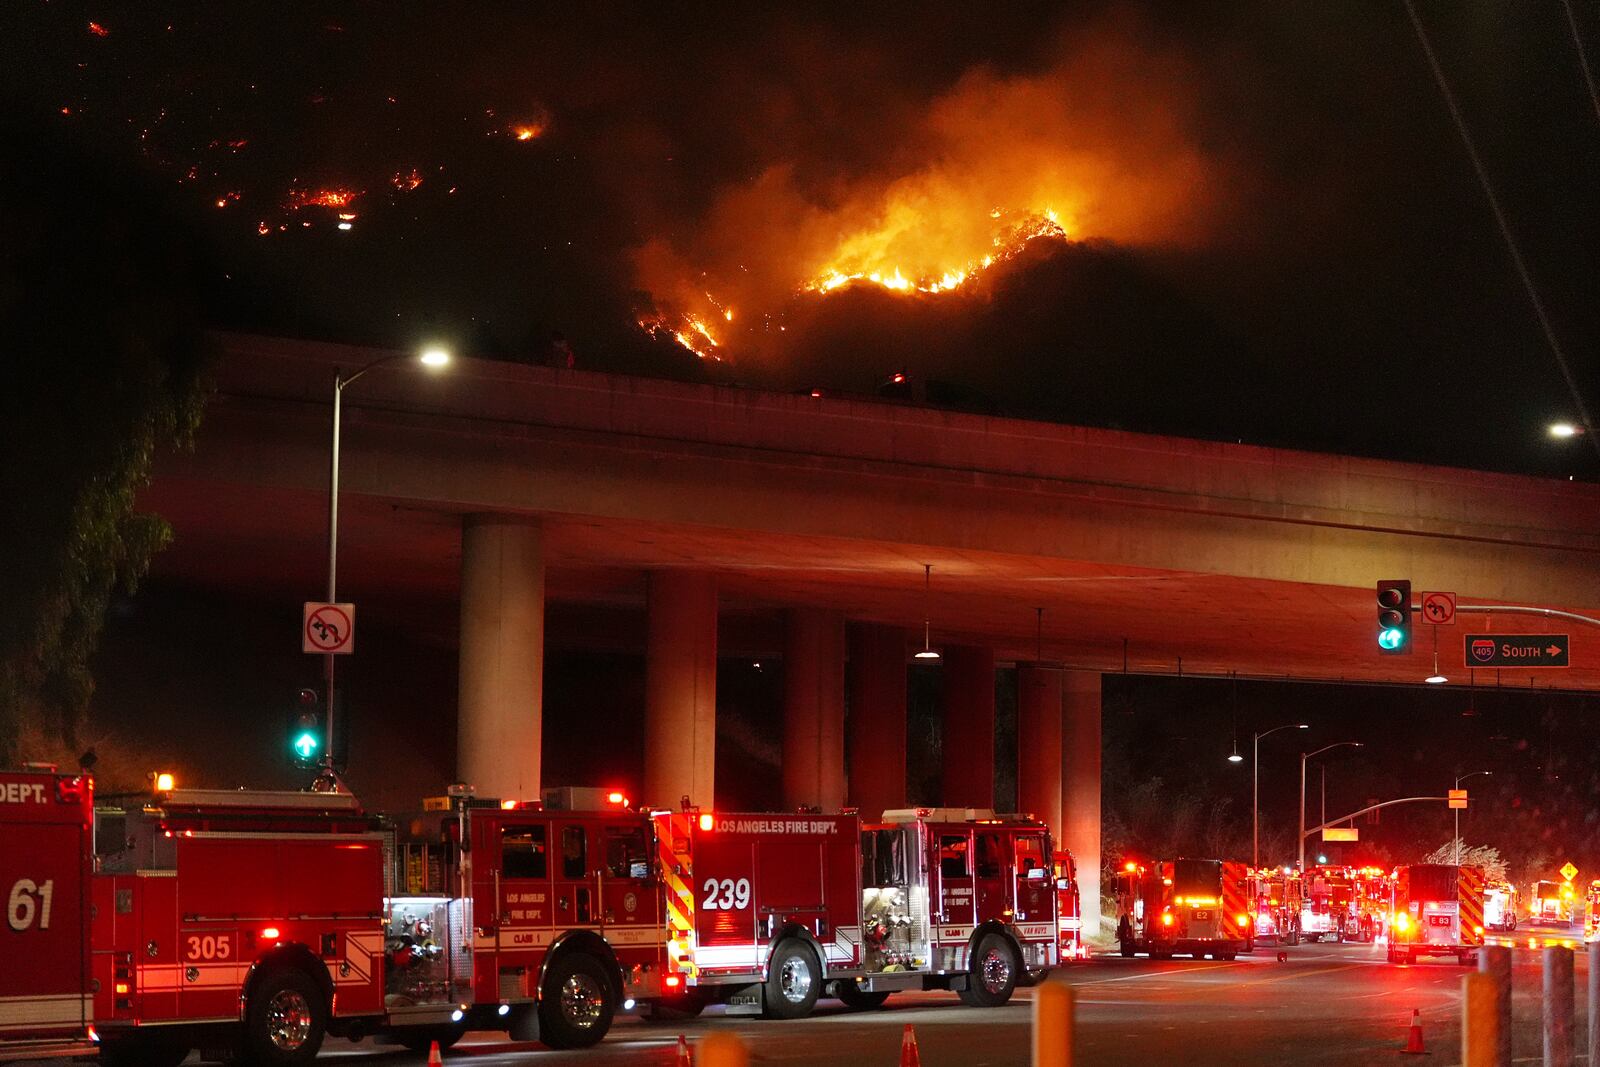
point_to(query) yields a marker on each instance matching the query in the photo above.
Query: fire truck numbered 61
(27, 899)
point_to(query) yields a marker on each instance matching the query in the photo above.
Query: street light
(1564, 429)
(432, 357)
(1457, 812)
(1255, 789)
(1304, 756)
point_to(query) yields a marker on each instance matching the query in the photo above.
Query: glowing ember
(99, 30)
(334, 198)
(526, 132)
(406, 180)
(227, 198)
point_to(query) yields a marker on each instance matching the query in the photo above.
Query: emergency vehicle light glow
(504, 1009)
(1402, 922)
(165, 782)
(457, 1015)
(673, 981)
(269, 933)
(508, 805)
(1130, 866)
(707, 821)
(616, 798)
(1166, 919)
(1244, 920)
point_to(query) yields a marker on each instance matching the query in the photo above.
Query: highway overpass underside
(469, 510)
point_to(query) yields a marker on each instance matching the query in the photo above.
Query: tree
(102, 357)
(1485, 856)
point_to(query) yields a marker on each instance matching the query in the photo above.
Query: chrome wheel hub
(288, 1019)
(996, 971)
(794, 979)
(581, 1001)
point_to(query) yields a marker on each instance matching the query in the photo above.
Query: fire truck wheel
(143, 1051)
(578, 1002)
(855, 998)
(794, 981)
(994, 973)
(1125, 946)
(285, 1021)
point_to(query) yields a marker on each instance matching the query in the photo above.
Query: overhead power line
(1505, 228)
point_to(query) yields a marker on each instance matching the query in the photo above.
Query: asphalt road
(1327, 1004)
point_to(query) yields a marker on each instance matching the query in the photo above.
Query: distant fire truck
(1437, 911)
(1591, 920)
(1183, 906)
(1325, 908)
(254, 923)
(1069, 913)
(1276, 908)
(1369, 905)
(1550, 903)
(1500, 907)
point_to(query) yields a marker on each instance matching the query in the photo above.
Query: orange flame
(334, 198)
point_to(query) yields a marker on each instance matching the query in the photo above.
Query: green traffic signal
(1391, 639)
(305, 746)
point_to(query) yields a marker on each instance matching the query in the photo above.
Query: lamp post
(1255, 789)
(1304, 756)
(433, 359)
(1456, 840)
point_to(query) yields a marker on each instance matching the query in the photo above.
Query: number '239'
(726, 895)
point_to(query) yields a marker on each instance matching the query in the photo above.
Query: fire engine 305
(254, 923)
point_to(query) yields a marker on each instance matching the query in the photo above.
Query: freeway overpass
(505, 486)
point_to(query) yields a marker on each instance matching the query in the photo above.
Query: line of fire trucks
(252, 924)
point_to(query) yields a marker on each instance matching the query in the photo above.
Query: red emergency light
(707, 821)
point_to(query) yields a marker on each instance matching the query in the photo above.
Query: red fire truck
(46, 855)
(1069, 915)
(1197, 907)
(1276, 909)
(1437, 910)
(254, 923)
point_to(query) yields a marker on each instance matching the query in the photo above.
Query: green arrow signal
(305, 745)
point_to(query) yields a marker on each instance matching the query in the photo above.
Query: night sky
(1263, 225)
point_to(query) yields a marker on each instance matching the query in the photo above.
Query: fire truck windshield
(1433, 882)
(1197, 877)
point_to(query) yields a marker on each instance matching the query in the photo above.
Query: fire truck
(1500, 906)
(1550, 903)
(1591, 920)
(1197, 907)
(1325, 908)
(1069, 916)
(1369, 905)
(46, 857)
(1437, 910)
(253, 923)
(1276, 912)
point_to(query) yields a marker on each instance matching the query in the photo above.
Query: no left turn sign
(1439, 608)
(328, 628)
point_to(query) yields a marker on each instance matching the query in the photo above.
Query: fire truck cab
(46, 853)
(1437, 911)
(1183, 906)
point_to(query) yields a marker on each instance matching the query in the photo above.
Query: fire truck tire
(794, 980)
(993, 977)
(143, 1051)
(421, 1039)
(855, 998)
(578, 1002)
(1125, 947)
(285, 1021)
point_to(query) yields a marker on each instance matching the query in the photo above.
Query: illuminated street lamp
(1304, 756)
(1255, 788)
(433, 358)
(1564, 429)
(1457, 813)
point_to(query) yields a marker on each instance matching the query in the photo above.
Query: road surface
(1327, 1004)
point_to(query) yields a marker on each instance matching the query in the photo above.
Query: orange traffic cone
(434, 1059)
(685, 1057)
(1414, 1039)
(909, 1056)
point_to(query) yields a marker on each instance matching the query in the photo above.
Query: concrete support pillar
(877, 718)
(500, 711)
(813, 709)
(968, 746)
(1080, 786)
(1039, 713)
(680, 689)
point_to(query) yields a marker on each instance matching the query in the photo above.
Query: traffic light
(1394, 616)
(305, 731)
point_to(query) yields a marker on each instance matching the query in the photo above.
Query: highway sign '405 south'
(1517, 650)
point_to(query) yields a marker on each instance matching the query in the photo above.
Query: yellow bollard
(1480, 1021)
(722, 1050)
(1052, 1025)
